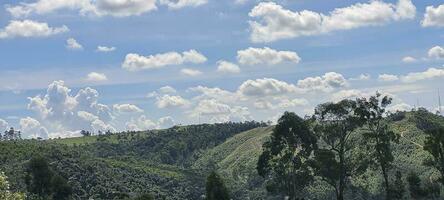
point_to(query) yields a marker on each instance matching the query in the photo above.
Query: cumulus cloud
(169, 101)
(388, 77)
(115, 8)
(135, 62)
(96, 77)
(190, 72)
(31, 128)
(227, 67)
(64, 114)
(143, 123)
(219, 94)
(211, 110)
(3, 125)
(177, 4)
(327, 82)
(266, 87)
(400, 107)
(72, 44)
(409, 59)
(167, 90)
(433, 16)
(29, 28)
(126, 108)
(436, 52)
(288, 103)
(266, 56)
(275, 22)
(430, 73)
(105, 49)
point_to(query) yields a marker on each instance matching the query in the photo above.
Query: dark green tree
(215, 188)
(434, 144)
(285, 158)
(397, 189)
(415, 188)
(38, 177)
(377, 133)
(335, 124)
(60, 188)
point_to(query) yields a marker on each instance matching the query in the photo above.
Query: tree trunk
(340, 195)
(386, 182)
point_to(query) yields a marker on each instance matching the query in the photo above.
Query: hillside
(173, 163)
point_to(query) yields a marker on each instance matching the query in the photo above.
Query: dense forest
(352, 149)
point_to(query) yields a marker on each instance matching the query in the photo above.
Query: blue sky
(273, 56)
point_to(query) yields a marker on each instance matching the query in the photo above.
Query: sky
(71, 65)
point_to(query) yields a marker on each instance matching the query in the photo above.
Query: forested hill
(173, 163)
(123, 165)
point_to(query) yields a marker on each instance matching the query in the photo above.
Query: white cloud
(96, 77)
(135, 62)
(29, 28)
(399, 107)
(265, 87)
(190, 72)
(409, 59)
(347, 94)
(166, 122)
(266, 56)
(177, 4)
(361, 77)
(117, 8)
(64, 114)
(433, 16)
(3, 125)
(328, 82)
(169, 101)
(210, 110)
(388, 77)
(215, 93)
(31, 128)
(436, 52)
(126, 108)
(227, 67)
(72, 44)
(105, 49)
(275, 22)
(288, 103)
(167, 90)
(430, 73)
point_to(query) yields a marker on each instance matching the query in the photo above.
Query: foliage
(5, 193)
(286, 156)
(335, 124)
(377, 133)
(215, 188)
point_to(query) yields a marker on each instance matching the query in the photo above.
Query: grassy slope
(236, 160)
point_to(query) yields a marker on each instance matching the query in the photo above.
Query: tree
(60, 188)
(335, 123)
(416, 191)
(38, 177)
(215, 188)
(397, 189)
(377, 133)
(434, 144)
(285, 158)
(5, 193)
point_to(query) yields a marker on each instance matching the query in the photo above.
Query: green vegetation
(298, 158)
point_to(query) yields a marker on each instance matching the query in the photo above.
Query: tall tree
(434, 144)
(38, 177)
(377, 133)
(60, 188)
(335, 123)
(215, 188)
(285, 158)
